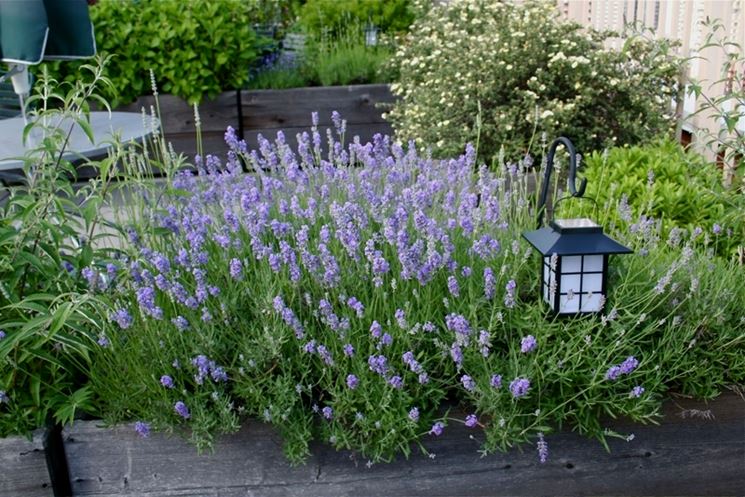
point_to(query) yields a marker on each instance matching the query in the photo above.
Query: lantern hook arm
(572, 181)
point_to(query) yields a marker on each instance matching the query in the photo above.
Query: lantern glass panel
(592, 283)
(571, 264)
(569, 304)
(549, 281)
(591, 302)
(592, 263)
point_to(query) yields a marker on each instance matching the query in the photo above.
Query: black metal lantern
(574, 252)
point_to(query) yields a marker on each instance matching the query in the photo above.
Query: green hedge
(336, 16)
(196, 48)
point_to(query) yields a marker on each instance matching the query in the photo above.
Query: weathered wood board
(685, 455)
(23, 467)
(268, 111)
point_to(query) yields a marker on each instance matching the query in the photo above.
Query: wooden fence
(698, 449)
(268, 111)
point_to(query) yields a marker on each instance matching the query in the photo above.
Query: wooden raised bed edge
(268, 111)
(691, 453)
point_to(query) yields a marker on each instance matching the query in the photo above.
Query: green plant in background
(49, 238)
(196, 49)
(346, 60)
(524, 72)
(728, 142)
(663, 181)
(330, 61)
(318, 17)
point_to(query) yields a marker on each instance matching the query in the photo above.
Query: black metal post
(59, 472)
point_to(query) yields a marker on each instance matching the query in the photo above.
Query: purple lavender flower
(527, 344)
(4, 399)
(166, 381)
(471, 420)
(401, 319)
(509, 298)
(236, 269)
(453, 287)
(146, 301)
(519, 387)
(142, 429)
(356, 306)
(496, 381)
(468, 383)
(437, 429)
(325, 355)
(414, 414)
(636, 392)
(348, 350)
(182, 410)
(456, 354)
(378, 364)
(376, 330)
(2, 335)
(310, 347)
(542, 447)
(103, 341)
(613, 373)
(180, 323)
(490, 283)
(458, 324)
(396, 382)
(352, 381)
(629, 365)
(91, 276)
(328, 412)
(386, 339)
(716, 229)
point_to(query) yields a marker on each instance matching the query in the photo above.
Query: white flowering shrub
(524, 72)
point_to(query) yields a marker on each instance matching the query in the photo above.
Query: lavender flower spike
(519, 387)
(182, 410)
(142, 429)
(527, 344)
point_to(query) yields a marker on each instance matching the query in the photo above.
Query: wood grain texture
(267, 111)
(23, 467)
(685, 455)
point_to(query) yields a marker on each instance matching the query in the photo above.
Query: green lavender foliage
(671, 306)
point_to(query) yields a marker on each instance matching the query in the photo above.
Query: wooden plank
(178, 116)
(686, 455)
(358, 104)
(23, 467)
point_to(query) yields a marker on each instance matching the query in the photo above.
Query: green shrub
(331, 61)
(49, 320)
(334, 16)
(524, 71)
(195, 49)
(665, 182)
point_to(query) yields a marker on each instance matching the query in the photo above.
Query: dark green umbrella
(35, 30)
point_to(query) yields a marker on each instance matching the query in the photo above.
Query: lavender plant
(355, 295)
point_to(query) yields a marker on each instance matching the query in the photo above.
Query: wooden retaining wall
(268, 111)
(688, 454)
(23, 468)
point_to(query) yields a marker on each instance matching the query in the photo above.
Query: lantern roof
(574, 237)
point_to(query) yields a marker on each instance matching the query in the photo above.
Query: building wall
(677, 19)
